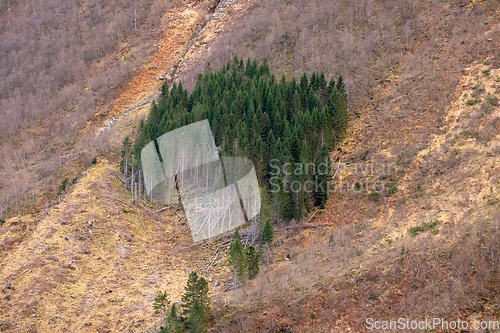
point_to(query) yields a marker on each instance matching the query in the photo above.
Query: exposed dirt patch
(182, 24)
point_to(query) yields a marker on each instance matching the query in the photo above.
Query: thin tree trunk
(132, 180)
(136, 191)
(125, 172)
(140, 186)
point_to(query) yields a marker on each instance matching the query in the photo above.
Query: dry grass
(447, 162)
(407, 66)
(52, 109)
(93, 262)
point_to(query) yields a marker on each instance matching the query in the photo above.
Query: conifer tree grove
(268, 120)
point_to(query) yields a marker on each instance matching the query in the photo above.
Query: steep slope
(376, 263)
(120, 116)
(95, 261)
(68, 69)
(91, 259)
(407, 84)
(407, 66)
(182, 24)
(415, 114)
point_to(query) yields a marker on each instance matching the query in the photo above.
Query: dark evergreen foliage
(197, 319)
(237, 259)
(196, 303)
(254, 115)
(267, 234)
(252, 261)
(322, 168)
(172, 323)
(161, 303)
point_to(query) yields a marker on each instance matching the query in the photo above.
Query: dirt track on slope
(181, 25)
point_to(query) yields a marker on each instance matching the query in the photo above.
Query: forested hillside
(411, 84)
(62, 63)
(273, 122)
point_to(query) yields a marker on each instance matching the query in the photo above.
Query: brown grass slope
(95, 261)
(408, 66)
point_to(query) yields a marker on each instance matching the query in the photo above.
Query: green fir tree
(322, 176)
(267, 235)
(252, 261)
(237, 259)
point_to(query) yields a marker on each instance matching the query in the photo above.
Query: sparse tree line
(131, 173)
(193, 314)
(254, 115)
(244, 262)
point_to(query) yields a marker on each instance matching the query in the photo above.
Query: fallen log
(244, 233)
(152, 213)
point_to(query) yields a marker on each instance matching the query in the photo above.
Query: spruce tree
(322, 80)
(314, 82)
(249, 69)
(265, 210)
(299, 194)
(154, 116)
(197, 319)
(126, 152)
(281, 199)
(259, 158)
(203, 298)
(237, 259)
(161, 303)
(190, 292)
(296, 102)
(267, 235)
(295, 148)
(164, 90)
(196, 302)
(252, 261)
(172, 323)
